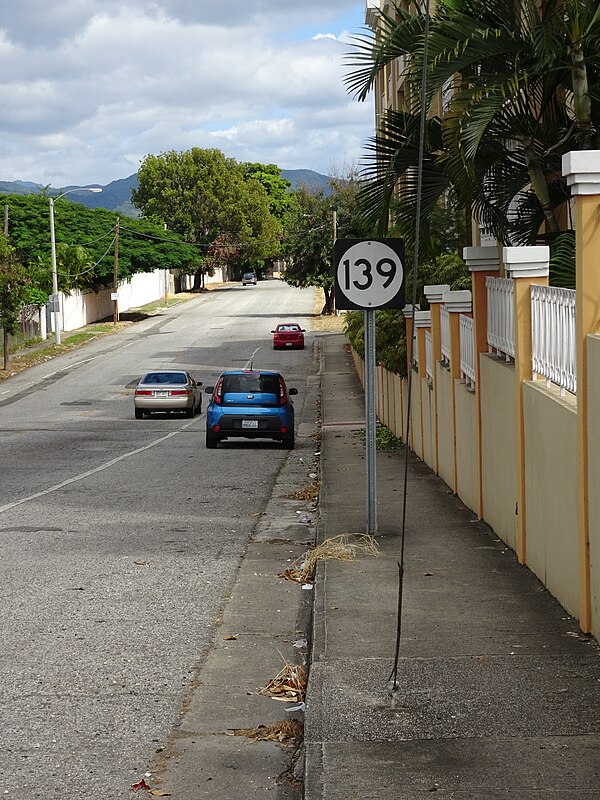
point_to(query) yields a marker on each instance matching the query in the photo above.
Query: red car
(288, 334)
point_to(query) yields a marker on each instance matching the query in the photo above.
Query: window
(165, 377)
(252, 383)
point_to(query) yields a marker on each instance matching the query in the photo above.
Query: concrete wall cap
(458, 301)
(482, 258)
(527, 262)
(434, 292)
(581, 168)
(422, 319)
(408, 310)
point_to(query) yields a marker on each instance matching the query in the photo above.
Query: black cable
(393, 679)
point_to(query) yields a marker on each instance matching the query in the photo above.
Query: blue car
(250, 404)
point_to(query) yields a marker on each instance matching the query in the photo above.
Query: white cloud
(92, 88)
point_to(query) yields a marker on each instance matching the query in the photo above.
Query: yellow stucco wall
(379, 394)
(445, 425)
(467, 463)
(550, 423)
(404, 389)
(428, 424)
(593, 353)
(415, 412)
(498, 446)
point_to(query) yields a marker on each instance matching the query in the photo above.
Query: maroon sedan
(288, 334)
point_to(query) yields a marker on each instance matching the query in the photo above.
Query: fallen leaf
(158, 793)
(428, 573)
(229, 638)
(140, 785)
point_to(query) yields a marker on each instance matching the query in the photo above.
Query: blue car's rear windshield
(164, 377)
(256, 383)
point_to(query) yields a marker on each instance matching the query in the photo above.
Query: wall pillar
(434, 294)
(582, 171)
(457, 303)
(525, 265)
(422, 322)
(481, 261)
(408, 312)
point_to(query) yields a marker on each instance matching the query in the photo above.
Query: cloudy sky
(89, 87)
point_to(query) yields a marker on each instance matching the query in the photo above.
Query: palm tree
(523, 78)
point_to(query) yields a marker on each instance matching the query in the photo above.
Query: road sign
(369, 273)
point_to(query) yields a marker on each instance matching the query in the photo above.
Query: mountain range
(116, 195)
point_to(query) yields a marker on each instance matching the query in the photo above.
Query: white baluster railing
(429, 355)
(501, 315)
(467, 349)
(445, 333)
(415, 361)
(554, 347)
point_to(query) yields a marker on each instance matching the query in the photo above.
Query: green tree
(276, 187)
(85, 244)
(309, 234)
(210, 201)
(14, 283)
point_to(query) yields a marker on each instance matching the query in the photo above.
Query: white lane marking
(248, 364)
(87, 474)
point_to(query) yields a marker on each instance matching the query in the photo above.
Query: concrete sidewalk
(499, 692)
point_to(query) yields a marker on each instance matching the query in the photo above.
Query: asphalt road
(119, 541)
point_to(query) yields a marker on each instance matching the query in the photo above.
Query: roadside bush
(390, 338)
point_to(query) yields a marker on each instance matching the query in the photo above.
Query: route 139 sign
(369, 273)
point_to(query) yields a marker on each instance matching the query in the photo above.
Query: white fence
(429, 355)
(445, 333)
(501, 315)
(467, 349)
(554, 348)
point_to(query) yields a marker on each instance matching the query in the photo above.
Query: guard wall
(593, 487)
(498, 446)
(551, 511)
(466, 453)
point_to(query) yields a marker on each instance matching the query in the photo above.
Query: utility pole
(335, 311)
(4, 331)
(116, 277)
(166, 279)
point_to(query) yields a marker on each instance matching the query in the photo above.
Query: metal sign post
(370, 421)
(369, 275)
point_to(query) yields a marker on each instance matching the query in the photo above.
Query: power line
(89, 269)
(393, 679)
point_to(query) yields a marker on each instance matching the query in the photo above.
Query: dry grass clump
(286, 732)
(289, 685)
(345, 547)
(310, 492)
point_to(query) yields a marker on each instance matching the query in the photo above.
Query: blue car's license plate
(249, 423)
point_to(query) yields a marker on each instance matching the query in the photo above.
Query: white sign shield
(369, 273)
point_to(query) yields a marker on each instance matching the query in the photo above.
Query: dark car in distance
(249, 279)
(250, 404)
